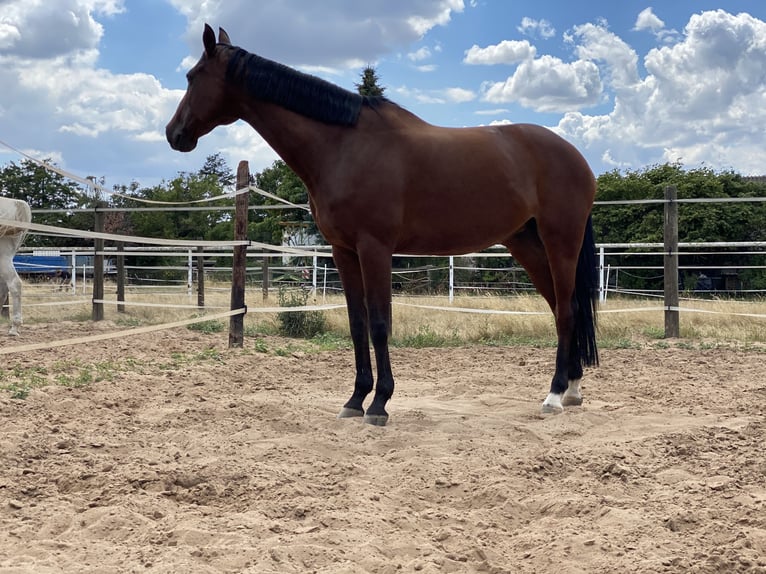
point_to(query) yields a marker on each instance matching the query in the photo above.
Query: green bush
(302, 324)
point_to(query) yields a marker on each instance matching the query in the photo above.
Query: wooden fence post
(239, 262)
(98, 265)
(120, 277)
(672, 329)
(200, 276)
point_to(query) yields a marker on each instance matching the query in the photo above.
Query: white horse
(11, 239)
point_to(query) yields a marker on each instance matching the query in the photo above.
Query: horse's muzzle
(178, 140)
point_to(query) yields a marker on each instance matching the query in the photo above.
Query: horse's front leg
(350, 271)
(375, 260)
(14, 288)
(5, 302)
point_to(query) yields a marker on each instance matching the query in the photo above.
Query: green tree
(698, 222)
(370, 83)
(186, 189)
(273, 226)
(42, 188)
(216, 166)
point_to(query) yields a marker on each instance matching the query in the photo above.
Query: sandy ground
(189, 457)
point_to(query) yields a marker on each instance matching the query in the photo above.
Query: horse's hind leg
(553, 277)
(572, 396)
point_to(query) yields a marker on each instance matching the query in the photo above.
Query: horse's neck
(303, 143)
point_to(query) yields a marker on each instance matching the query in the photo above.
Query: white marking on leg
(552, 404)
(14, 289)
(572, 396)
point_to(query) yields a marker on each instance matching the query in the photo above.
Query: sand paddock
(184, 456)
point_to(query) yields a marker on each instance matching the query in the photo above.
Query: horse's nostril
(174, 138)
(172, 135)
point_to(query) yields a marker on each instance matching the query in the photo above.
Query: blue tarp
(26, 264)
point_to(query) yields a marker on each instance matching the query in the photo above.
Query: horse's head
(206, 103)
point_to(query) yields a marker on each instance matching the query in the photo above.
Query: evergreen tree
(216, 166)
(370, 83)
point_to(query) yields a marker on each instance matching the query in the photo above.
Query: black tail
(586, 299)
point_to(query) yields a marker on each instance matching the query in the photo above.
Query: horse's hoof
(13, 333)
(551, 409)
(552, 404)
(571, 401)
(376, 420)
(347, 413)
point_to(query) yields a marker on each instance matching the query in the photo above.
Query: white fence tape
(471, 310)
(116, 334)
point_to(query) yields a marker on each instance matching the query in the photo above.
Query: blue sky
(630, 83)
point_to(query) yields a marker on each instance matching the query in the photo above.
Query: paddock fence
(192, 267)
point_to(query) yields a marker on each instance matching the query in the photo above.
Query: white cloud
(50, 75)
(421, 54)
(33, 29)
(234, 139)
(548, 84)
(86, 117)
(494, 112)
(545, 84)
(424, 53)
(439, 15)
(647, 20)
(536, 28)
(460, 95)
(90, 102)
(699, 96)
(444, 96)
(9, 35)
(421, 96)
(703, 99)
(187, 63)
(506, 52)
(329, 33)
(597, 43)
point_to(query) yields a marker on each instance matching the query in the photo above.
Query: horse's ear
(223, 37)
(208, 39)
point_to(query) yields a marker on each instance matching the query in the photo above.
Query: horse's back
(467, 188)
(14, 210)
(519, 166)
(549, 148)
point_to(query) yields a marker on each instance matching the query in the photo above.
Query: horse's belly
(458, 232)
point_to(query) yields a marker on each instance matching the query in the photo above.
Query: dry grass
(622, 322)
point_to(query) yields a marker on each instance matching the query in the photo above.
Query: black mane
(298, 92)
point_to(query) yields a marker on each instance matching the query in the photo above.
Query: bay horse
(383, 181)
(11, 239)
